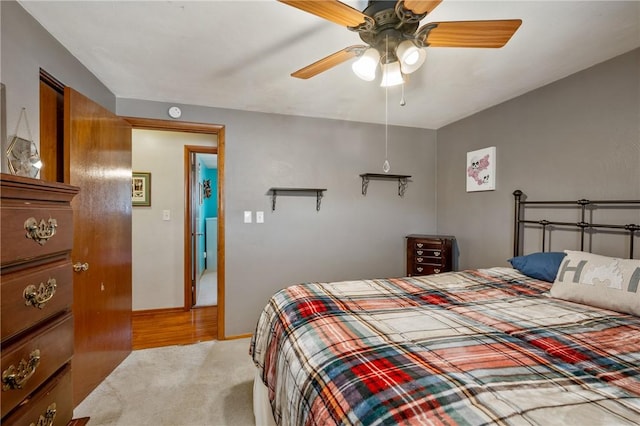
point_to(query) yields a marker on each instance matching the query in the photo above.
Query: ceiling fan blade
(421, 6)
(331, 10)
(328, 62)
(472, 33)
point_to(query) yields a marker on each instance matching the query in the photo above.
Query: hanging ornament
(22, 154)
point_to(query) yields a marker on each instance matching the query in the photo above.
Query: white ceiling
(239, 54)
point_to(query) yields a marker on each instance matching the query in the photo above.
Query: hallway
(207, 292)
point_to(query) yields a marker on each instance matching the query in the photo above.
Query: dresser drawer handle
(436, 253)
(38, 297)
(40, 232)
(436, 270)
(419, 269)
(419, 259)
(48, 417)
(16, 378)
(419, 245)
(419, 252)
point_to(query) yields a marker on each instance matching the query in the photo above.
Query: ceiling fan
(394, 38)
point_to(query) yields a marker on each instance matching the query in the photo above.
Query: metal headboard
(582, 224)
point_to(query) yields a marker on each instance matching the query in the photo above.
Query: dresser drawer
(31, 230)
(31, 295)
(426, 270)
(427, 245)
(33, 359)
(51, 402)
(436, 261)
(429, 252)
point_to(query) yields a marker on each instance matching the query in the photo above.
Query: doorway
(218, 132)
(202, 175)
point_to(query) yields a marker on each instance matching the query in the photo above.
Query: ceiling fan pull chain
(386, 166)
(402, 100)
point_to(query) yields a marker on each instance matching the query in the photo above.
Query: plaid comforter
(465, 348)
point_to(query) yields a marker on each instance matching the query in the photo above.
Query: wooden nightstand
(429, 254)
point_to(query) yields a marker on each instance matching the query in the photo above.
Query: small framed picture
(141, 189)
(481, 169)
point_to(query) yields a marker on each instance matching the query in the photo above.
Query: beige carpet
(208, 383)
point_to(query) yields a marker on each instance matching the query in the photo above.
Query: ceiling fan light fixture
(410, 55)
(365, 67)
(391, 74)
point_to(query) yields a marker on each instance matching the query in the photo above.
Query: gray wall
(575, 138)
(352, 236)
(26, 47)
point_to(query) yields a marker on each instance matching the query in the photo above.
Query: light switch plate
(166, 214)
(259, 217)
(247, 216)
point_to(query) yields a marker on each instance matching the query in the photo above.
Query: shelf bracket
(365, 184)
(402, 186)
(319, 195)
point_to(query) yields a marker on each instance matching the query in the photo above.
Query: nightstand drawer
(437, 261)
(426, 270)
(430, 252)
(32, 295)
(33, 359)
(427, 244)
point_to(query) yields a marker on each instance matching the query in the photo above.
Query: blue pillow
(543, 266)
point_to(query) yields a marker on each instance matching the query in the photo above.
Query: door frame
(190, 200)
(202, 128)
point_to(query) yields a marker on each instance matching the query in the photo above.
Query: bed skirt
(261, 405)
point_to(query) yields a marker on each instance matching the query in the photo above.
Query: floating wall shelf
(403, 180)
(291, 191)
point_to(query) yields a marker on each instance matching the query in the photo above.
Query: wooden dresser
(37, 294)
(429, 254)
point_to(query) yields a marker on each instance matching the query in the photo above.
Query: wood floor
(165, 327)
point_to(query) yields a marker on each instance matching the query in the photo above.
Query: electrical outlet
(259, 217)
(166, 214)
(247, 216)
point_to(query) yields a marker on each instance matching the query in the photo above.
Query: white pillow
(605, 282)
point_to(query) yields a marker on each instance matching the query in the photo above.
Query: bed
(501, 345)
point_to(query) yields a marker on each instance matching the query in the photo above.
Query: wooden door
(194, 224)
(97, 158)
